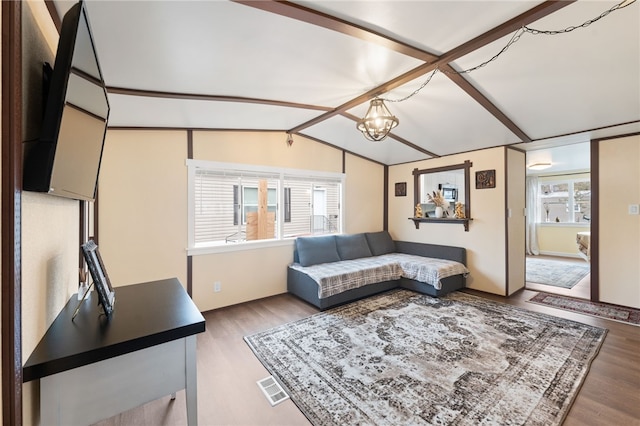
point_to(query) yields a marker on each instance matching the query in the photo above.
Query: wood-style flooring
(228, 371)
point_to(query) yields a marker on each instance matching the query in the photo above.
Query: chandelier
(377, 122)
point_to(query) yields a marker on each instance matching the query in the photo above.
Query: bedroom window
(232, 204)
(565, 201)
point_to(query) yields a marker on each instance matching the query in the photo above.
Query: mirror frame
(466, 166)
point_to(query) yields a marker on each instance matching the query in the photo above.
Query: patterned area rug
(556, 272)
(581, 306)
(403, 358)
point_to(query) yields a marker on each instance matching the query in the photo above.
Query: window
(565, 200)
(246, 201)
(232, 203)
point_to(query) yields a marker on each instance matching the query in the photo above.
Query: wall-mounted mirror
(452, 183)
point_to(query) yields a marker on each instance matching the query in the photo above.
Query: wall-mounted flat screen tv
(65, 160)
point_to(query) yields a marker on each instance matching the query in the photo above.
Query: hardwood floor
(228, 371)
(582, 290)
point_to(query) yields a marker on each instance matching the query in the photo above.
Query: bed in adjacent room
(583, 240)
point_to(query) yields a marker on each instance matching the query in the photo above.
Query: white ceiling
(311, 67)
(571, 158)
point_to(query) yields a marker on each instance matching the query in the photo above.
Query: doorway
(559, 202)
(319, 210)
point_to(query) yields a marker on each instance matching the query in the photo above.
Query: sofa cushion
(352, 246)
(380, 243)
(315, 250)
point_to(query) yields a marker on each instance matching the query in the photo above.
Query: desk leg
(191, 388)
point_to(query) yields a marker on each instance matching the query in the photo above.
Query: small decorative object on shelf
(546, 210)
(442, 205)
(418, 210)
(459, 213)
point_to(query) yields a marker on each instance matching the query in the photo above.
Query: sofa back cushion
(315, 250)
(352, 246)
(380, 243)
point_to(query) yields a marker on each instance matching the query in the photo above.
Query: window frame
(571, 202)
(244, 204)
(284, 174)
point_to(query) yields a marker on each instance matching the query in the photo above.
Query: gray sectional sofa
(331, 270)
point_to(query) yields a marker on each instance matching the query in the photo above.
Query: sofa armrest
(459, 254)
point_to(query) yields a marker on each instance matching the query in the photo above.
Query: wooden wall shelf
(418, 220)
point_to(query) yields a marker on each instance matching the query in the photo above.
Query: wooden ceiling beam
(508, 27)
(216, 98)
(53, 12)
(323, 142)
(482, 40)
(471, 90)
(314, 17)
(304, 14)
(395, 137)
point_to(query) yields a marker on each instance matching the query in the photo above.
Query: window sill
(565, 224)
(242, 246)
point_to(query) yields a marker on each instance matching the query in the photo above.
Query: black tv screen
(65, 160)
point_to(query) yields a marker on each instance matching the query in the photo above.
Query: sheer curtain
(531, 233)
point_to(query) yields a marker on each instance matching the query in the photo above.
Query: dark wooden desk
(92, 368)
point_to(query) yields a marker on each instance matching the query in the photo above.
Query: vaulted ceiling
(311, 68)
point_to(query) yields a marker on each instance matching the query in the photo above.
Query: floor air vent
(272, 390)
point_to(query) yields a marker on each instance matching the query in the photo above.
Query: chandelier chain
(514, 39)
(415, 91)
(585, 24)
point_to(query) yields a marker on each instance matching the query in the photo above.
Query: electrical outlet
(217, 287)
(634, 209)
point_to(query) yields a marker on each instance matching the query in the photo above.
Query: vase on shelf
(439, 212)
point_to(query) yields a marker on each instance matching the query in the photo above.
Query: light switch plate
(634, 209)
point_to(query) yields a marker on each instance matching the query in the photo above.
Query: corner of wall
(485, 240)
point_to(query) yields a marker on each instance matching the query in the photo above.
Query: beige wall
(49, 224)
(516, 202)
(364, 195)
(559, 240)
(143, 208)
(266, 149)
(619, 186)
(485, 241)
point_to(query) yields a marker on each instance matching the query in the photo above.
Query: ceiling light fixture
(539, 166)
(377, 122)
